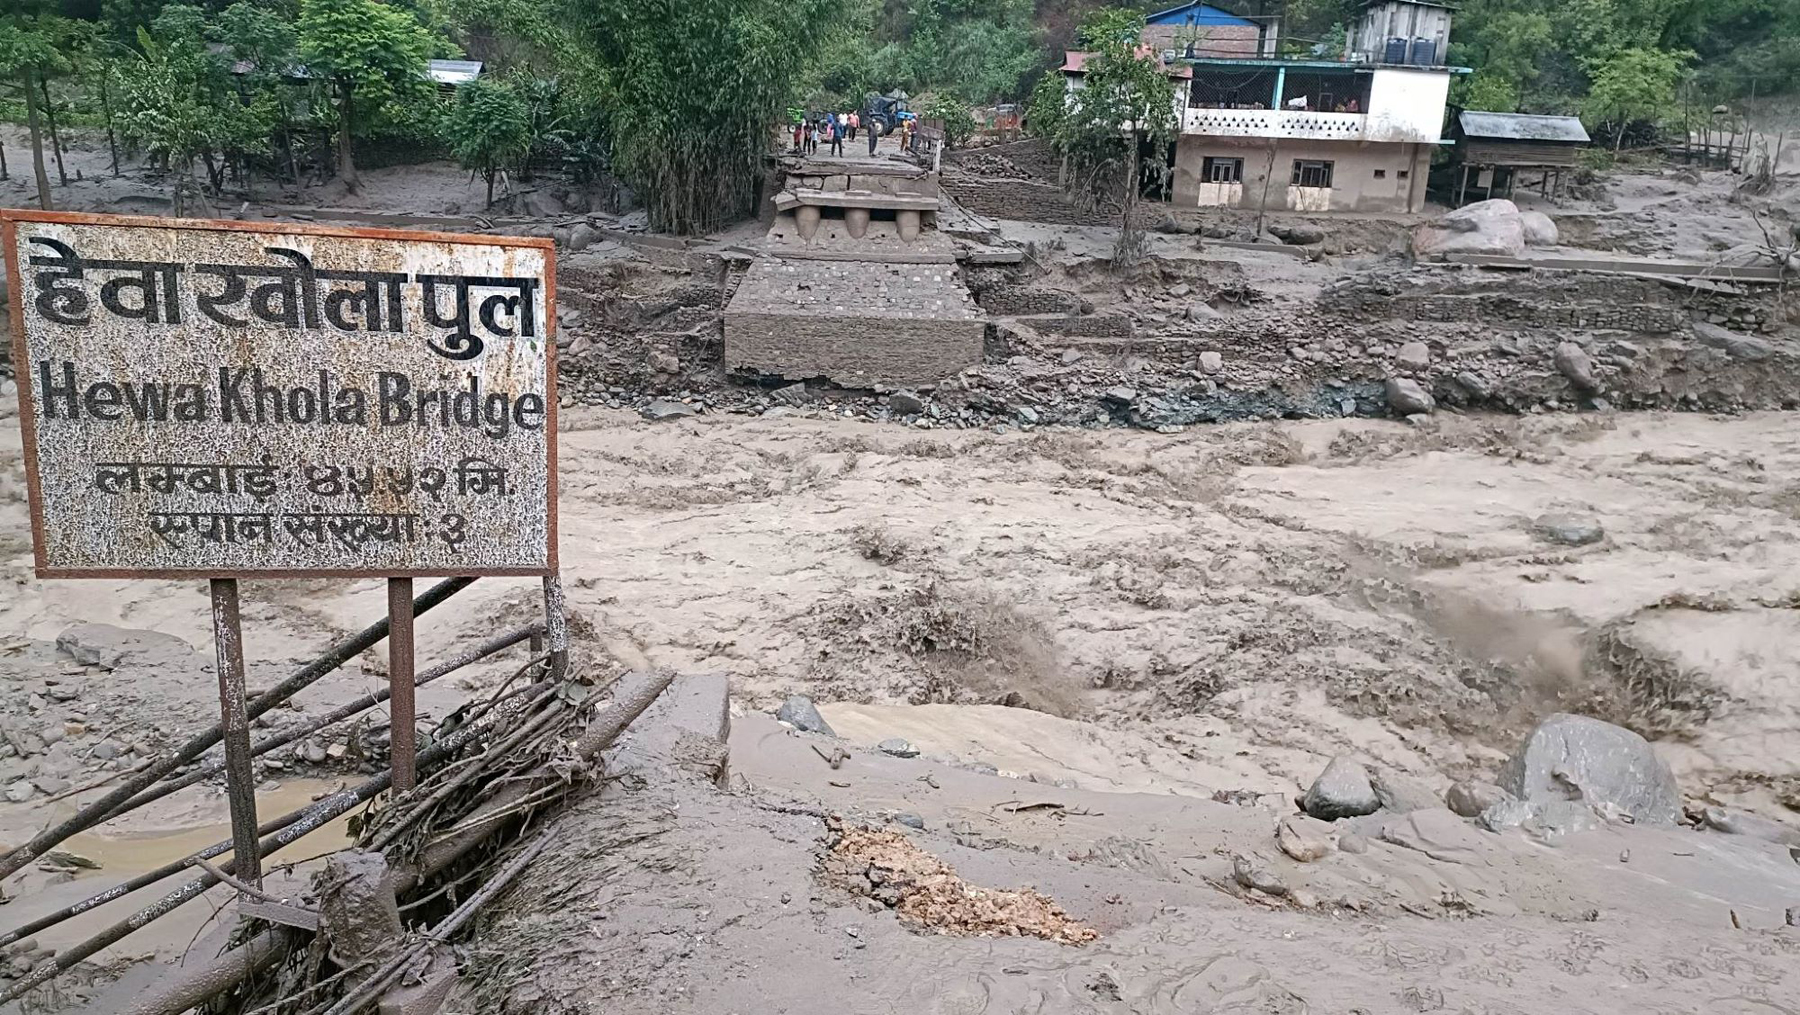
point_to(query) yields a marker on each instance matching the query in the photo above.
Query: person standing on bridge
(855, 123)
(874, 137)
(837, 136)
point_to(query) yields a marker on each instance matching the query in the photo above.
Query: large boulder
(1735, 345)
(1341, 791)
(1408, 397)
(1485, 227)
(1540, 229)
(1574, 757)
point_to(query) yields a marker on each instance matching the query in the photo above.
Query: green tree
(179, 104)
(693, 91)
(1124, 106)
(264, 42)
(29, 52)
(371, 56)
(959, 122)
(490, 129)
(1634, 84)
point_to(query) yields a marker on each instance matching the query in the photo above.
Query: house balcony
(1277, 123)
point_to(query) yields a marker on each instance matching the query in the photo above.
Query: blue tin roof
(1197, 14)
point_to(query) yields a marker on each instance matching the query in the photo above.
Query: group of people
(833, 129)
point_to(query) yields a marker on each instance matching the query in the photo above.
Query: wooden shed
(1502, 150)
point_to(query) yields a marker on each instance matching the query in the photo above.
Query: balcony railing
(1292, 123)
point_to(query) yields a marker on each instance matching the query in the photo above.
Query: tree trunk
(346, 158)
(112, 144)
(55, 141)
(490, 183)
(37, 142)
(4, 175)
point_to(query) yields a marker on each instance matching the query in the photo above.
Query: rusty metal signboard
(230, 399)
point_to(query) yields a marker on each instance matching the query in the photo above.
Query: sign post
(236, 400)
(234, 723)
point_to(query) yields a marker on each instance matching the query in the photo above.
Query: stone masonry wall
(852, 350)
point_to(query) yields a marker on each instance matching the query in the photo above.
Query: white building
(1350, 134)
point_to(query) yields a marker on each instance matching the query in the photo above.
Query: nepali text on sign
(220, 398)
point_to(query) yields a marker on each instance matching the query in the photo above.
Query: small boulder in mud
(110, 647)
(1402, 794)
(1731, 822)
(799, 712)
(897, 747)
(1341, 791)
(1569, 530)
(1469, 798)
(1575, 757)
(1303, 838)
(1573, 362)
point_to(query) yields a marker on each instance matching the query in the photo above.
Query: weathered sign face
(235, 399)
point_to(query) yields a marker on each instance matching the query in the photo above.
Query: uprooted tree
(1123, 106)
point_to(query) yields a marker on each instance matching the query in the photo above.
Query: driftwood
(511, 800)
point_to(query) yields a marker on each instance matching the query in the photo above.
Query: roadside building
(1354, 133)
(1350, 132)
(1498, 153)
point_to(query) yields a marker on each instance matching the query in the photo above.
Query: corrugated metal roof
(1197, 14)
(1522, 126)
(453, 72)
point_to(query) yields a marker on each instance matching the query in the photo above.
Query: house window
(1381, 174)
(1310, 173)
(1215, 170)
(1403, 174)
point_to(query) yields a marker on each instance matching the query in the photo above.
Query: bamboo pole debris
(305, 729)
(308, 820)
(104, 808)
(182, 989)
(220, 848)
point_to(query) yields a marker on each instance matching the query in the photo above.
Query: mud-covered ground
(1217, 612)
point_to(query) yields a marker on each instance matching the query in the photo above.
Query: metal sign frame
(223, 582)
(11, 217)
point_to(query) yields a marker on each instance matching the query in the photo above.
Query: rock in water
(1408, 397)
(799, 712)
(1303, 838)
(896, 747)
(1469, 798)
(1402, 794)
(1341, 791)
(1574, 757)
(1569, 530)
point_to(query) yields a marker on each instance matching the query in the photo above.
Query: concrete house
(1354, 133)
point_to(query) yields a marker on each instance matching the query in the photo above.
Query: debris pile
(890, 868)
